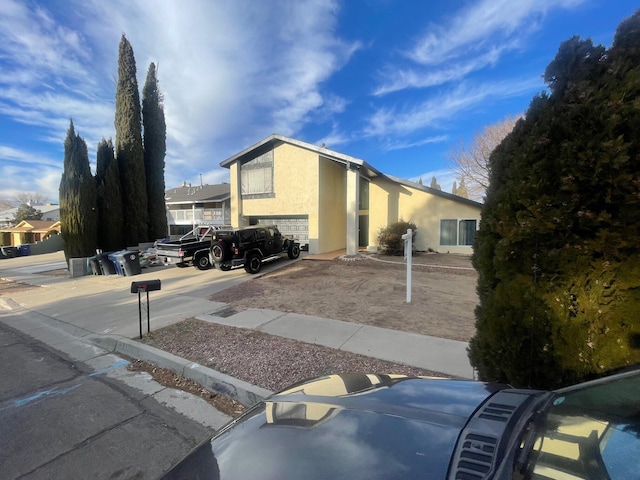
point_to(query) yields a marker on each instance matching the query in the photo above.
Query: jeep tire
(293, 251)
(253, 264)
(218, 251)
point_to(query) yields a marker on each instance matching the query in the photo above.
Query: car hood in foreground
(344, 426)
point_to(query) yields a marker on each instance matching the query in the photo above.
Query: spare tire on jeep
(220, 251)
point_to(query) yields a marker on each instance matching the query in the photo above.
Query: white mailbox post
(408, 247)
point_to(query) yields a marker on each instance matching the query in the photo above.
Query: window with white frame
(457, 232)
(256, 176)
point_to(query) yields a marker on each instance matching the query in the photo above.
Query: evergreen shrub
(390, 237)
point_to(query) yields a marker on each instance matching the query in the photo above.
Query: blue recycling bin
(115, 260)
(127, 262)
(24, 250)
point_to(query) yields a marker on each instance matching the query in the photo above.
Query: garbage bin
(24, 250)
(115, 261)
(10, 251)
(131, 265)
(106, 264)
(95, 266)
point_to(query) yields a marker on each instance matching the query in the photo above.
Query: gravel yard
(265, 360)
(361, 291)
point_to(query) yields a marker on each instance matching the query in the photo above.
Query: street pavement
(63, 418)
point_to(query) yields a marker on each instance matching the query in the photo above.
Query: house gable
(342, 199)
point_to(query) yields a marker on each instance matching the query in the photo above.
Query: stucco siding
(390, 202)
(295, 185)
(383, 206)
(426, 211)
(332, 217)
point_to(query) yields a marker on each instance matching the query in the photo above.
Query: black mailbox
(145, 286)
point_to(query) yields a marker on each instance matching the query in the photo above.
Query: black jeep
(250, 246)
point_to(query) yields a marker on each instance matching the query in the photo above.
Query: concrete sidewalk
(431, 353)
(100, 311)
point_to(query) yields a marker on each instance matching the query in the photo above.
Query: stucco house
(189, 206)
(331, 201)
(29, 231)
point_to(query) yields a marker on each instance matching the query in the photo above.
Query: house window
(256, 176)
(457, 232)
(364, 195)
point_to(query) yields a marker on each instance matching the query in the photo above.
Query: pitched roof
(435, 191)
(34, 226)
(198, 194)
(274, 140)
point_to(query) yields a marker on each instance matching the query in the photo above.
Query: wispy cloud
(476, 38)
(396, 80)
(443, 107)
(482, 25)
(396, 144)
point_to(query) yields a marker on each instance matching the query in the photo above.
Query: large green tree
(110, 206)
(78, 215)
(558, 250)
(129, 150)
(26, 212)
(155, 147)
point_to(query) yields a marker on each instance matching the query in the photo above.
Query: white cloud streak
(441, 108)
(476, 38)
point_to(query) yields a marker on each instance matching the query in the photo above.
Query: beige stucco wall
(390, 202)
(332, 219)
(296, 188)
(308, 184)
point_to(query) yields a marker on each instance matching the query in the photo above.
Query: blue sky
(396, 83)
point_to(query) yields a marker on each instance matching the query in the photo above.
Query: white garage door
(296, 227)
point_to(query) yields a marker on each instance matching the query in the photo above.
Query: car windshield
(591, 432)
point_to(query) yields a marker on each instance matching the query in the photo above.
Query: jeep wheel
(217, 252)
(253, 264)
(293, 251)
(203, 263)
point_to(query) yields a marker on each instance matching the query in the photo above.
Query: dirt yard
(370, 291)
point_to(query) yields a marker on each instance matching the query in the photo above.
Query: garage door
(296, 227)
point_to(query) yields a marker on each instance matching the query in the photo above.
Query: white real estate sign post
(408, 247)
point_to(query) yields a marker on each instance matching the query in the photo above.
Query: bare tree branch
(471, 162)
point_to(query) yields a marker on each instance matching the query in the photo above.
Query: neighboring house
(332, 201)
(189, 206)
(49, 212)
(29, 231)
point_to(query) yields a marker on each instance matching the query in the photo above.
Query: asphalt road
(61, 419)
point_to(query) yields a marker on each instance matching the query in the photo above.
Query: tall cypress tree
(110, 209)
(155, 147)
(558, 250)
(78, 215)
(129, 150)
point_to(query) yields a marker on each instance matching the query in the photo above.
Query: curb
(244, 392)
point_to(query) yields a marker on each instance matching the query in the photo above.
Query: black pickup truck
(193, 248)
(250, 247)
